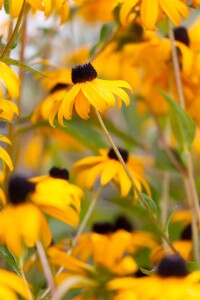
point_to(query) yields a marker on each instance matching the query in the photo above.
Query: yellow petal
(125, 10)
(149, 13)
(93, 96)
(82, 106)
(109, 171)
(6, 158)
(106, 95)
(16, 6)
(68, 101)
(174, 10)
(94, 173)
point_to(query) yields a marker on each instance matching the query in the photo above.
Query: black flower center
(58, 87)
(103, 227)
(123, 153)
(187, 233)
(172, 265)
(122, 223)
(59, 173)
(18, 189)
(83, 73)
(181, 35)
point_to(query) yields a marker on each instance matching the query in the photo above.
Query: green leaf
(9, 259)
(148, 272)
(182, 125)
(151, 203)
(14, 62)
(106, 31)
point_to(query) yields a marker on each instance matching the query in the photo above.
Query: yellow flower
(94, 11)
(10, 284)
(10, 80)
(4, 156)
(171, 282)
(22, 223)
(108, 168)
(150, 11)
(57, 197)
(89, 90)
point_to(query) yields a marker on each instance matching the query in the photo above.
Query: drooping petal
(106, 95)
(6, 158)
(109, 171)
(68, 101)
(82, 106)
(149, 13)
(93, 96)
(174, 10)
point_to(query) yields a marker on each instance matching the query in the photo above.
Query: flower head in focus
(87, 91)
(108, 168)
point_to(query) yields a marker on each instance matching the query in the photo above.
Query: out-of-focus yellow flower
(171, 282)
(150, 11)
(10, 80)
(95, 11)
(108, 168)
(57, 197)
(7, 108)
(22, 223)
(3, 154)
(89, 90)
(10, 284)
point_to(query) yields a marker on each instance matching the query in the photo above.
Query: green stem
(87, 215)
(140, 196)
(14, 34)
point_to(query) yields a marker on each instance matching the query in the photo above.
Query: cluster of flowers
(113, 260)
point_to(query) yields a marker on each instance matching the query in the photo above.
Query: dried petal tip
(181, 35)
(59, 173)
(83, 73)
(123, 153)
(18, 189)
(172, 265)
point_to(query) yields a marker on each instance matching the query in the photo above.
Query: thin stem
(144, 203)
(87, 215)
(46, 267)
(195, 238)
(30, 297)
(14, 34)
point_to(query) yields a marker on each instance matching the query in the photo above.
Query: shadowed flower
(151, 11)
(21, 222)
(57, 197)
(89, 90)
(108, 168)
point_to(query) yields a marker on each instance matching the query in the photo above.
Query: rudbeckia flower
(171, 282)
(89, 90)
(10, 285)
(107, 167)
(113, 245)
(21, 222)
(150, 11)
(7, 108)
(57, 197)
